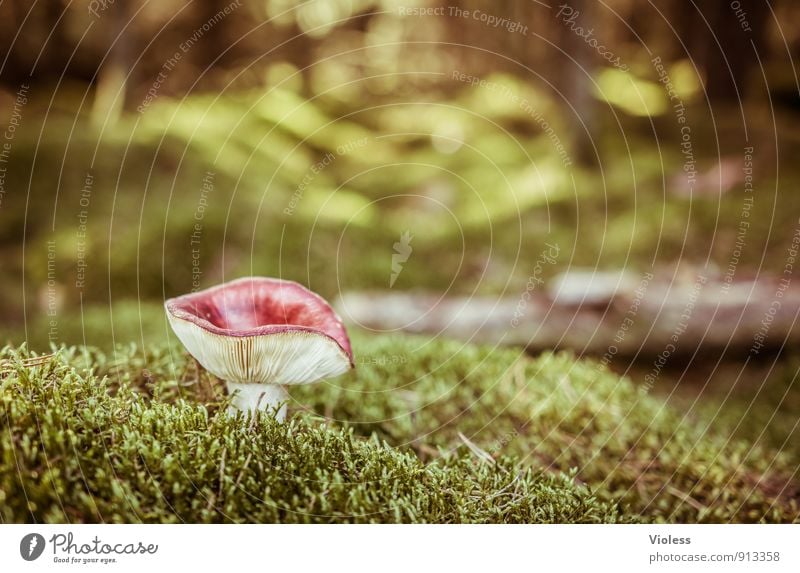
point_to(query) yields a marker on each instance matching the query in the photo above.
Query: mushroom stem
(251, 397)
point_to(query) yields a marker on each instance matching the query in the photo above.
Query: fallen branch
(599, 313)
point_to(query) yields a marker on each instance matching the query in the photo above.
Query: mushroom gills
(261, 335)
(252, 397)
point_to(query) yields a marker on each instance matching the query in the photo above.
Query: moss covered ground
(422, 431)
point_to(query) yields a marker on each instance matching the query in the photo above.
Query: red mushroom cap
(263, 330)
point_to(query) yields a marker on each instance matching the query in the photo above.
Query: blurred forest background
(157, 147)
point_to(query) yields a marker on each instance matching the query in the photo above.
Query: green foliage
(137, 435)
(477, 211)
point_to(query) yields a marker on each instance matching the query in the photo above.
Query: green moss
(157, 163)
(558, 413)
(128, 448)
(137, 435)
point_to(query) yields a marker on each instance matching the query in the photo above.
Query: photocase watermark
(52, 294)
(672, 346)
(9, 133)
(679, 109)
(97, 6)
(402, 251)
(741, 15)
(523, 104)
(318, 167)
(489, 20)
(503, 441)
(307, 179)
(627, 321)
(548, 256)
(350, 146)
(567, 14)
(774, 307)
(183, 49)
(382, 360)
(195, 239)
(744, 222)
(31, 547)
(569, 17)
(81, 233)
(66, 550)
(760, 338)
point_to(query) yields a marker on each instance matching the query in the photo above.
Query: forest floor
(422, 431)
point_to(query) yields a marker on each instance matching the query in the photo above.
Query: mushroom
(261, 335)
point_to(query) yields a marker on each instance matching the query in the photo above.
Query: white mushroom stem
(252, 397)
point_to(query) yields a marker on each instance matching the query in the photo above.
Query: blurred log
(594, 313)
